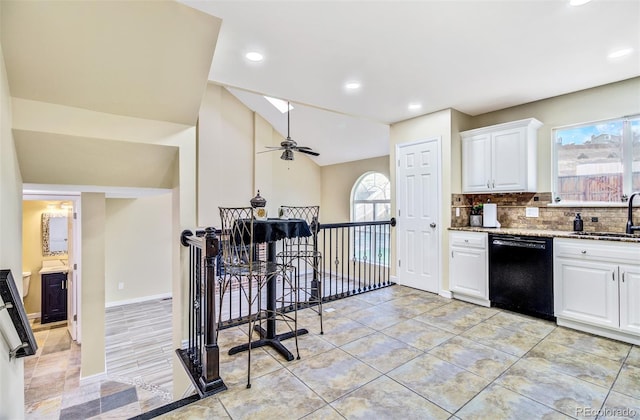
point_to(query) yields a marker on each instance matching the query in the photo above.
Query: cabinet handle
(493, 184)
(466, 240)
(451, 254)
(488, 184)
(623, 276)
(613, 275)
(584, 251)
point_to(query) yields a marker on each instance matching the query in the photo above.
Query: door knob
(432, 225)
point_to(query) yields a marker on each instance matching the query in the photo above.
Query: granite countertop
(552, 233)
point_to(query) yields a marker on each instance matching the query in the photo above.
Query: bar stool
(243, 270)
(302, 253)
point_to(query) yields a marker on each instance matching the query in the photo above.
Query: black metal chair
(245, 271)
(302, 254)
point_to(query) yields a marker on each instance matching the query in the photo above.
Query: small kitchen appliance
(490, 215)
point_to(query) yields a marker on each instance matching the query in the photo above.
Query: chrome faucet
(630, 227)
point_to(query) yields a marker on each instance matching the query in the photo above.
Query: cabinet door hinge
(75, 266)
(75, 215)
(399, 263)
(75, 318)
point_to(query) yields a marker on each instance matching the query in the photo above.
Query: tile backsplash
(512, 212)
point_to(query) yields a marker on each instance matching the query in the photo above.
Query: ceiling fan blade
(272, 150)
(274, 147)
(307, 151)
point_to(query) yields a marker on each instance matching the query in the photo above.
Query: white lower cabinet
(597, 287)
(630, 298)
(468, 267)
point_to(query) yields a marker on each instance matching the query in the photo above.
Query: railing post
(201, 359)
(210, 378)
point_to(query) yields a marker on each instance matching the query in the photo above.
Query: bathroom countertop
(54, 266)
(550, 233)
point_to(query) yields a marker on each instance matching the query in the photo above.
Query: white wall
(609, 101)
(230, 171)
(138, 248)
(337, 183)
(11, 371)
(58, 119)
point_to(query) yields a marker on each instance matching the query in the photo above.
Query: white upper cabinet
(500, 158)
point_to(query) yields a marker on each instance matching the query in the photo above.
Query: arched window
(371, 198)
(371, 202)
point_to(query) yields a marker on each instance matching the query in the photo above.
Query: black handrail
(12, 302)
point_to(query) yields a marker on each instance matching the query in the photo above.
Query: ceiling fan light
(287, 155)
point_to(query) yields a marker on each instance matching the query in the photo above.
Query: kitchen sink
(607, 234)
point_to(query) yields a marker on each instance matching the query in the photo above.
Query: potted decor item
(475, 219)
(259, 210)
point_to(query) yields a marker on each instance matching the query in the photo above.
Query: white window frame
(375, 203)
(627, 162)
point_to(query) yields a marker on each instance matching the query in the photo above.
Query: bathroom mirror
(54, 234)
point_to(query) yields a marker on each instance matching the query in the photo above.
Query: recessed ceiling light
(414, 106)
(352, 85)
(578, 2)
(620, 53)
(279, 104)
(254, 56)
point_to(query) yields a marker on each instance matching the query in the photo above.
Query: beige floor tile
(456, 317)
(628, 381)
(509, 341)
(381, 316)
(599, 346)
(339, 331)
(268, 397)
(543, 384)
(325, 413)
(418, 334)
(381, 351)
(517, 322)
(440, 382)
(474, 357)
(620, 406)
(634, 357)
(334, 374)
(208, 408)
(586, 366)
(496, 402)
(384, 398)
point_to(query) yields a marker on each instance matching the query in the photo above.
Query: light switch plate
(532, 212)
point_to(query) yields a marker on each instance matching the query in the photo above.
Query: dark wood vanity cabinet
(54, 297)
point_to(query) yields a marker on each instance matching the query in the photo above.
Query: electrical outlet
(457, 211)
(120, 286)
(594, 219)
(532, 212)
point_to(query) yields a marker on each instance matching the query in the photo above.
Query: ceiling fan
(288, 146)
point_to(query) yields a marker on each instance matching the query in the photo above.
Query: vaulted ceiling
(475, 56)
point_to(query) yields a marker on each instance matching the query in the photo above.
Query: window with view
(597, 162)
(371, 202)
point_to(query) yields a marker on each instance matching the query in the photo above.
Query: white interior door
(73, 275)
(418, 206)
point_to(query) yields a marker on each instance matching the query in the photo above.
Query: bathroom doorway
(51, 243)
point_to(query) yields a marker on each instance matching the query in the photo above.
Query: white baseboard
(394, 279)
(93, 378)
(137, 300)
(446, 294)
(34, 315)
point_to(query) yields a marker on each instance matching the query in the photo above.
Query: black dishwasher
(521, 274)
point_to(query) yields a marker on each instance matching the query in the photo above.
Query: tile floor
(402, 353)
(392, 353)
(139, 367)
